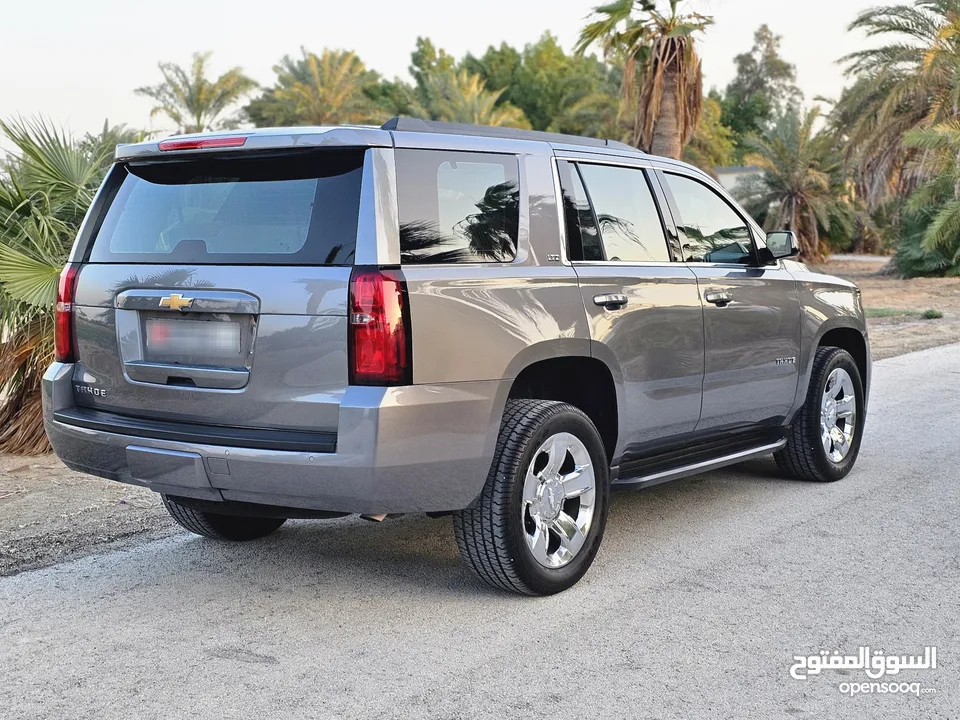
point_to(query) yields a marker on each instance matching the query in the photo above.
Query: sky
(77, 62)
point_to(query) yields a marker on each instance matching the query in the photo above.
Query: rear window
(294, 209)
(457, 207)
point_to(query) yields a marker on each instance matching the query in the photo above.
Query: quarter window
(457, 207)
(630, 225)
(714, 232)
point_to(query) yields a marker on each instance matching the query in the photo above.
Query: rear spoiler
(253, 140)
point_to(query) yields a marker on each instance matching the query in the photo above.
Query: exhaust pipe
(374, 518)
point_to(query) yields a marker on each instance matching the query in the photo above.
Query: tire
(220, 527)
(806, 456)
(519, 517)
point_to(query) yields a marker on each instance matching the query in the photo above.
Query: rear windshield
(292, 209)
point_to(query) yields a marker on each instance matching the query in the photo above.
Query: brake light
(63, 315)
(202, 143)
(379, 328)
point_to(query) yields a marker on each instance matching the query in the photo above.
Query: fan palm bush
(46, 186)
(931, 242)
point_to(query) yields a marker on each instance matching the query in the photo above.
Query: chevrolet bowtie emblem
(176, 302)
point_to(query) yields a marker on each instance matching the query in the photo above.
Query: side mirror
(783, 244)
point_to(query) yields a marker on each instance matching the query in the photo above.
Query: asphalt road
(702, 594)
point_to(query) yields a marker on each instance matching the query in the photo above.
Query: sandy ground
(48, 513)
(892, 336)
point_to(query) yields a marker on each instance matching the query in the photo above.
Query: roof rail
(405, 124)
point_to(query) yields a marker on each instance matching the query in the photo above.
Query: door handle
(718, 298)
(612, 301)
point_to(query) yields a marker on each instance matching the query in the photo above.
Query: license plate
(193, 337)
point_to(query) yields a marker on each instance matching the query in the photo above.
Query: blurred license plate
(193, 337)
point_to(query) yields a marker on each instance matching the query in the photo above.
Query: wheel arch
(583, 381)
(844, 333)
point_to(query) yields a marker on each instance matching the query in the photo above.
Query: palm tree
(46, 186)
(661, 68)
(329, 89)
(801, 186)
(193, 102)
(912, 81)
(462, 97)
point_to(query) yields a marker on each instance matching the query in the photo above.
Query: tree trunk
(666, 129)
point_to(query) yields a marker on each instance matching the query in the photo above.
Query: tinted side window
(457, 207)
(583, 240)
(630, 224)
(287, 209)
(714, 232)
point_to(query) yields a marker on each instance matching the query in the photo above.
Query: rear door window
(288, 209)
(630, 225)
(457, 207)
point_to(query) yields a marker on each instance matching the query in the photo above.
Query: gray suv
(493, 324)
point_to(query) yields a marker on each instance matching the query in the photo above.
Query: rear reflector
(202, 143)
(63, 315)
(379, 328)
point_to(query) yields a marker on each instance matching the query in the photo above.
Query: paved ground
(702, 594)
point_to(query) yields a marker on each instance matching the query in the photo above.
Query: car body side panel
(473, 321)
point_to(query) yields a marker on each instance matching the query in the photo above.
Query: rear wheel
(824, 441)
(538, 523)
(220, 527)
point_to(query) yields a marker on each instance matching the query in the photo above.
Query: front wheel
(537, 525)
(824, 441)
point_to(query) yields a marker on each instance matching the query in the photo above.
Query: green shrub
(932, 314)
(915, 260)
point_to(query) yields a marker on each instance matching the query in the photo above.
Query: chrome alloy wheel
(838, 415)
(559, 494)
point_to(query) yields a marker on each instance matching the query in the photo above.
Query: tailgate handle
(187, 376)
(190, 300)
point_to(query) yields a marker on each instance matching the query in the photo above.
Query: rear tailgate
(215, 291)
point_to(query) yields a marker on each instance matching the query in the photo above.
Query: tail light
(63, 314)
(379, 328)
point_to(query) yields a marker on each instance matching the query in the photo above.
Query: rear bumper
(421, 448)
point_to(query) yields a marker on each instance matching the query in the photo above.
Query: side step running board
(643, 481)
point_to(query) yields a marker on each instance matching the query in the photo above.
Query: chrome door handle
(718, 298)
(611, 301)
